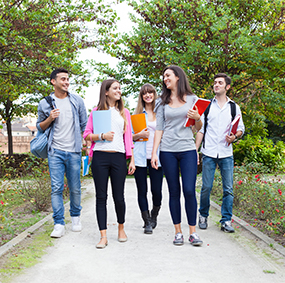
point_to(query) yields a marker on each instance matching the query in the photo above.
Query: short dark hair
(228, 80)
(57, 71)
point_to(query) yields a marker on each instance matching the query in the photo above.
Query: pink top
(128, 140)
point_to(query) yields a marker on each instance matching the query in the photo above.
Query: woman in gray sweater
(177, 148)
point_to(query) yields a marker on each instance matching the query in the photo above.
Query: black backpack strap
(206, 112)
(233, 109)
(49, 101)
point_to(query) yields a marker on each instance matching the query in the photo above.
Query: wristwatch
(102, 137)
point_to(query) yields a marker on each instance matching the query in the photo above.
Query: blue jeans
(226, 166)
(187, 161)
(156, 177)
(61, 162)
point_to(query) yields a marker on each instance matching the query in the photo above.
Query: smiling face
(61, 82)
(114, 93)
(148, 97)
(220, 87)
(170, 79)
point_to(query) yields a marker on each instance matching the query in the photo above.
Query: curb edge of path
(18, 239)
(254, 231)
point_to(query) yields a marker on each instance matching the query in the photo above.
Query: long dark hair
(183, 86)
(103, 102)
(141, 104)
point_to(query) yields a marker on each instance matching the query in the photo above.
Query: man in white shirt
(217, 149)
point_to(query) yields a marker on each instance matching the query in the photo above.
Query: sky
(124, 25)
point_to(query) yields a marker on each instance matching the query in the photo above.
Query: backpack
(39, 144)
(233, 114)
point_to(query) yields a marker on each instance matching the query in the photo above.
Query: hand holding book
(142, 135)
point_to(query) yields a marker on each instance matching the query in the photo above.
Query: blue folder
(101, 121)
(85, 165)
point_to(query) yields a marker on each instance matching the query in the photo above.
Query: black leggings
(105, 164)
(156, 177)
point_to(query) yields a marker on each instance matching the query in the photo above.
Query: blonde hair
(141, 104)
(103, 102)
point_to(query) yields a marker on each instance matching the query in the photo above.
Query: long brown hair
(183, 86)
(141, 104)
(103, 102)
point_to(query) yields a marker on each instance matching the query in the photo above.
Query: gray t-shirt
(64, 137)
(176, 137)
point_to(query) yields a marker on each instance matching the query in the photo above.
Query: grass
(26, 255)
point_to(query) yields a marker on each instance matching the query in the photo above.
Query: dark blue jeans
(226, 166)
(187, 161)
(156, 177)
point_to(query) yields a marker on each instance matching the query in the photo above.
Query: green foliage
(258, 199)
(242, 38)
(39, 36)
(260, 150)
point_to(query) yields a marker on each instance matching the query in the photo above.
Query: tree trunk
(10, 138)
(9, 127)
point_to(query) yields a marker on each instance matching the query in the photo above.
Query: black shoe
(227, 227)
(154, 214)
(147, 222)
(202, 222)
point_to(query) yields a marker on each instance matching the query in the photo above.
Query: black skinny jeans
(105, 164)
(155, 185)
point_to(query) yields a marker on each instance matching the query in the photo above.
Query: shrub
(260, 150)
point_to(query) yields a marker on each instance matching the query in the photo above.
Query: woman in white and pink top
(109, 158)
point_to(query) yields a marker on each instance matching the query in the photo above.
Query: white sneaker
(58, 231)
(76, 224)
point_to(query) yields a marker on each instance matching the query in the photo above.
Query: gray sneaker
(178, 239)
(227, 227)
(195, 240)
(202, 222)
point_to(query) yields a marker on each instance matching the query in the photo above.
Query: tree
(37, 36)
(244, 39)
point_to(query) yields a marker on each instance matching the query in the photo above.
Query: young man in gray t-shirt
(65, 123)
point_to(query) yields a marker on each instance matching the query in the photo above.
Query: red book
(202, 105)
(233, 125)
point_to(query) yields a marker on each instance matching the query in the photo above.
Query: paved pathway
(153, 258)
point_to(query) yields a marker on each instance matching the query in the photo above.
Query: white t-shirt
(63, 137)
(117, 126)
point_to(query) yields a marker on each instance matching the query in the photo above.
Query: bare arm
(156, 142)
(199, 138)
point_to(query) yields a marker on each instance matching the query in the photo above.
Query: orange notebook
(202, 105)
(139, 123)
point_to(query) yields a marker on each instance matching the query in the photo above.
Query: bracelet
(198, 120)
(100, 136)
(236, 137)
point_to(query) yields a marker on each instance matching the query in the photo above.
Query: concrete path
(153, 258)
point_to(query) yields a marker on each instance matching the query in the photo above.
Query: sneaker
(202, 222)
(195, 240)
(58, 231)
(178, 239)
(227, 227)
(76, 224)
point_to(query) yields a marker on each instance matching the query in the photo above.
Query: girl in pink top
(109, 157)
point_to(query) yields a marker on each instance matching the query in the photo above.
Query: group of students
(170, 149)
